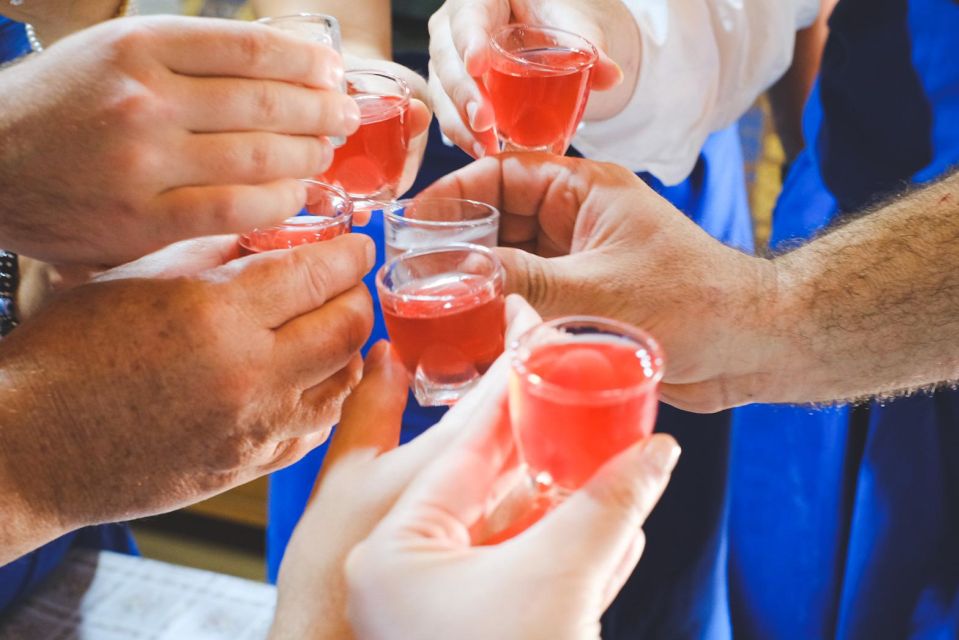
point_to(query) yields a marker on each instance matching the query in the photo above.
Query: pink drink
(447, 325)
(577, 402)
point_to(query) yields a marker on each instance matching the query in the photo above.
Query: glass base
(431, 394)
(556, 149)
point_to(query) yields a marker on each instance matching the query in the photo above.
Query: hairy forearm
(872, 308)
(366, 24)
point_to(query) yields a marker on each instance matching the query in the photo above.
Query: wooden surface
(244, 505)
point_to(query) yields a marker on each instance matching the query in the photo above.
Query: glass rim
(590, 48)
(498, 274)
(625, 330)
(493, 214)
(306, 16)
(405, 92)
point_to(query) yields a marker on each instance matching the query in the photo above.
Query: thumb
(543, 282)
(598, 526)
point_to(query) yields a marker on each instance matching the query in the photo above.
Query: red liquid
(370, 164)
(539, 102)
(293, 232)
(566, 434)
(453, 337)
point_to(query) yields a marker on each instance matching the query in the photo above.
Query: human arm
(867, 309)
(174, 378)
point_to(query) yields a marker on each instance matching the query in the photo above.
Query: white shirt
(703, 64)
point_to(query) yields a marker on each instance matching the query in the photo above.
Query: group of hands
(187, 371)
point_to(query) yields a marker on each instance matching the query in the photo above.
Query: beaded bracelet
(126, 8)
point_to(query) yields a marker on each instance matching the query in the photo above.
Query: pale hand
(459, 56)
(415, 577)
(140, 132)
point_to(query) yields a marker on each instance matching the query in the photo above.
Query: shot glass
(316, 27)
(539, 81)
(410, 225)
(369, 166)
(328, 213)
(444, 312)
(581, 390)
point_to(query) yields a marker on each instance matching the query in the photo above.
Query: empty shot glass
(420, 223)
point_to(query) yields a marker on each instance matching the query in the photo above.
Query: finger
(420, 117)
(291, 451)
(231, 105)
(251, 158)
(185, 258)
(451, 494)
(538, 280)
(471, 25)
(277, 286)
(455, 127)
(322, 404)
(223, 48)
(197, 211)
(315, 344)
(596, 526)
(520, 318)
(483, 181)
(469, 101)
(373, 414)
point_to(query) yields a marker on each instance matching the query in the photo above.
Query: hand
(592, 238)
(133, 396)
(139, 132)
(363, 474)
(420, 113)
(419, 575)
(459, 55)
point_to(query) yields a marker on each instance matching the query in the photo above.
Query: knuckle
(315, 273)
(268, 104)
(129, 37)
(138, 160)
(253, 46)
(261, 156)
(222, 209)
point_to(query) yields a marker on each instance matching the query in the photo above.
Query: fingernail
(377, 354)
(663, 454)
(479, 150)
(471, 110)
(351, 117)
(334, 76)
(370, 253)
